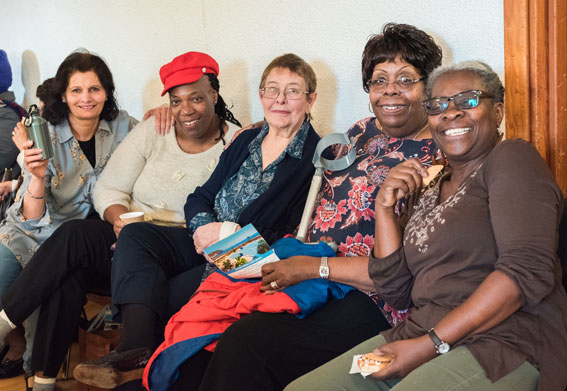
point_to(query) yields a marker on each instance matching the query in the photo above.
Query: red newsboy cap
(187, 68)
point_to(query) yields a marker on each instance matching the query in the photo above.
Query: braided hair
(221, 109)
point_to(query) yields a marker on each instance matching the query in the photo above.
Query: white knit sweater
(151, 173)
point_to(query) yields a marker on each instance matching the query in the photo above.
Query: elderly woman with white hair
(476, 258)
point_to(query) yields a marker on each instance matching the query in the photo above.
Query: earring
(64, 100)
(370, 107)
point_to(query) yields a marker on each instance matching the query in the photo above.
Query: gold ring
(274, 285)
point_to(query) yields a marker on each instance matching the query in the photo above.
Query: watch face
(324, 271)
(443, 348)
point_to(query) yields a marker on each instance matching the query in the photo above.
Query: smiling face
(84, 96)
(465, 136)
(283, 114)
(193, 107)
(400, 114)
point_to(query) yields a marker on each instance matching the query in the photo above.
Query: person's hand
(5, 189)
(206, 235)
(20, 135)
(408, 355)
(285, 272)
(239, 131)
(163, 118)
(33, 161)
(117, 226)
(402, 180)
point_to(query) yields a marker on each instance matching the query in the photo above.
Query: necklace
(413, 138)
(420, 131)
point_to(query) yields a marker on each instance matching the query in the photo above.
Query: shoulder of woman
(515, 159)
(515, 149)
(359, 126)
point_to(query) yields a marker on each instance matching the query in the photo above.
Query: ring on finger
(274, 285)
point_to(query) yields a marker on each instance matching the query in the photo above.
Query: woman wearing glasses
(476, 258)
(395, 65)
(262, 178)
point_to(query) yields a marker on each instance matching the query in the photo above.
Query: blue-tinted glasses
(463, 101)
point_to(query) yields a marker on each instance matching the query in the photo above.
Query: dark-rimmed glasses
(290, 93)
(404, 84)
(463, 101)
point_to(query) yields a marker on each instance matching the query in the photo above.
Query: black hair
(413, 45)
(55, 110)
(221, 109)
(45, 89)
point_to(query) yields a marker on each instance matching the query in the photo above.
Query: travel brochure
(242, 254)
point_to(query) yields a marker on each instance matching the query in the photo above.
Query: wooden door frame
(535, 50)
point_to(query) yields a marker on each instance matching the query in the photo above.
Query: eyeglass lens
(273, 92)
(403, 84)
(464, 101)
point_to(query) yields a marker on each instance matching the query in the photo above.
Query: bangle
(32, 196)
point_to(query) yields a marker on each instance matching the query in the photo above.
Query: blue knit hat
(5, 72)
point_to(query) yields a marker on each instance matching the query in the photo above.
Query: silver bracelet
(32, 196)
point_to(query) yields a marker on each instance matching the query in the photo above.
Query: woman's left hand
(287, 272)
(206, 235)
(408, 355)
(20, 135)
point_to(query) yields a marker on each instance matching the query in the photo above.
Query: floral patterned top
(345, 211)
(250, 181)
(69, 183)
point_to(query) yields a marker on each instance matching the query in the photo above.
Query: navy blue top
(278, 210)
(250, 181)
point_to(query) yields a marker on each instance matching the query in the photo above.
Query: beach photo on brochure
(242, 254)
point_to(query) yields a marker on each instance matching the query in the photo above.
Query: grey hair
(489, 78)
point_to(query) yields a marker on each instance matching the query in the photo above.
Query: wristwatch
(441, 346)
(324, 269)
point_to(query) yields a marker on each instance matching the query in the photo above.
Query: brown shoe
(114, 369)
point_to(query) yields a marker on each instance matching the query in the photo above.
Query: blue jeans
(10, 269)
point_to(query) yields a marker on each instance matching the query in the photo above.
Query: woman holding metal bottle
(85, 127)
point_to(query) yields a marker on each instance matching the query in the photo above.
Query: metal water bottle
(38, 132)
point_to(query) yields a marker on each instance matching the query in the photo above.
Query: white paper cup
(132, 217)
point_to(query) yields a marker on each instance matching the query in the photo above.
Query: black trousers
(147, 257)
(275, 349)
(73, 261)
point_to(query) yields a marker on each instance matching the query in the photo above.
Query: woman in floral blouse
(395, 65)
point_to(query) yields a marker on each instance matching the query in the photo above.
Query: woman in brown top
(476, 258)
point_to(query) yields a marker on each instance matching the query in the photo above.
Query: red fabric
(218, 303)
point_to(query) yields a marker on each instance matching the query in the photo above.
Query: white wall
(137, 37)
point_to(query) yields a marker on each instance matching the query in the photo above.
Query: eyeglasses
(404, 83)
(290, 93)
(463, 101)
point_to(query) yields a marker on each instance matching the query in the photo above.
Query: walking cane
(321, 164)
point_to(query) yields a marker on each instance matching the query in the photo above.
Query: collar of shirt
(64, 134)
(293, 149)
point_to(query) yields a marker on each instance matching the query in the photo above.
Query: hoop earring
(370, 107)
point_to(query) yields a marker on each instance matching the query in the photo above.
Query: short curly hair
(295, 64)
(413, 45)
(484, 72)
(55, 110)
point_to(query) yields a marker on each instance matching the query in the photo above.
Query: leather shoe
(114, 369)
(11, 368)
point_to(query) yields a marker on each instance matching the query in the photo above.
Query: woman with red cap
(262, 178)
(148, 173)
